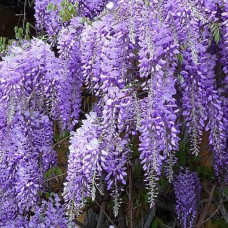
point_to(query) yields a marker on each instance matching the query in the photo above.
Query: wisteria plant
(139, 87)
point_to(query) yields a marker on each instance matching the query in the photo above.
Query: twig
(221, 207)
(121, 218)
(101, 215)
(210, 215)
(105, 214)
(79, 223)
(206, 207)
(130, 198)
(149, 219)
(62, 140)
(63, 174)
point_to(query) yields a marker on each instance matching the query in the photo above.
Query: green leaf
(27, 26)
(180, 58)
(49, 173)
(181, 78)
(15, 29)
(161, 223)
(217, 37)
(50, 6)
(58, 171)
(27, 37)
(70, 8)
(154, 224)
(64, 3)
(55, 8)
(47, 194)
(215, 30)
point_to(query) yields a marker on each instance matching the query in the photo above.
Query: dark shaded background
(15, 13)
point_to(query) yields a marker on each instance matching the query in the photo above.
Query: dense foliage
(158, 72)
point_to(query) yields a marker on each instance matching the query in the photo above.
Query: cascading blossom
(158, 118)
(48, 13)
(69, 86)
(50, 214)
(28, 78)
(187, 191)
(21, 170)
(155, 69)
(172, 38)
(84, 164)
(47, 19)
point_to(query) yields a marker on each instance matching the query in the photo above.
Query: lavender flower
(84, 163)
(69, 86)
(51, 213)
(187, 191)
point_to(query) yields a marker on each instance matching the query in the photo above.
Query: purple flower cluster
(187, 191)
(48, 13)
(50, 214)
(152, 66)
(47, 19)
(106, 54)
(69, 86)
(28, 77)
(92, 8)
(29, 138)
(84, 164)
(152, 43)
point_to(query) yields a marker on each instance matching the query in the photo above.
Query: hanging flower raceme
(69, 91)
(28, 78)
(193, 101)
(47, 18)
(196, 44)
(26, 154)
(52, 15)
(92, 8)
(50, 214)
(187, 191)
(84, 164)
(217, 120)
(116, 126)
(106, 64)
(98, 150)
(157, 62)
(106, 61)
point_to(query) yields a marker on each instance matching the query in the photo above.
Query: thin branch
(206, 207)
(105, 214)
(24, 20)
(149, 218)
(130, 198)
(62, 140)
(60, 175)
(101, 215)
